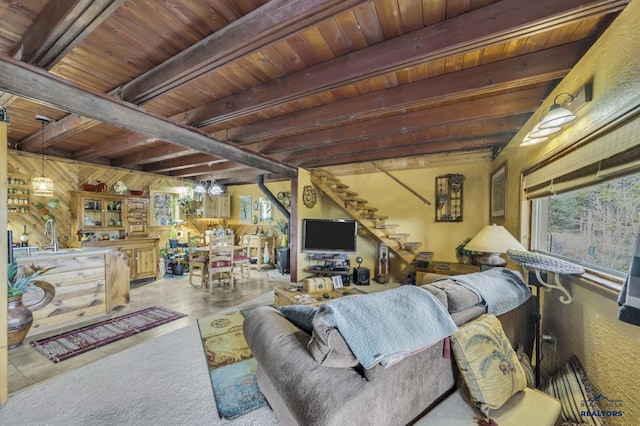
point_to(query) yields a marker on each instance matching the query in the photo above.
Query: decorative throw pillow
(571, 386)
(328, 347)
(300, 315)
(525, 363)
(487, 362)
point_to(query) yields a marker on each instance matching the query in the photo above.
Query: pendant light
(42, 186)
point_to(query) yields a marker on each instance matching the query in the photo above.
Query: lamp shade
(493, 239)
(557, 117)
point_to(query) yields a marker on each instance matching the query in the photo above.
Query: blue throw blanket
(499, 289)
(387, 326)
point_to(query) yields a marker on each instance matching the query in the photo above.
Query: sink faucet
(50, 230)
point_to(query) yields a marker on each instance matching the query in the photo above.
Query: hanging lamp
(42, 186)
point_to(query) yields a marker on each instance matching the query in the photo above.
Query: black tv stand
(331, 264)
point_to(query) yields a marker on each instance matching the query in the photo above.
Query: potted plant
(177, 267)
(467, 256)
(19, 317)
(173, 236)
(53, 203)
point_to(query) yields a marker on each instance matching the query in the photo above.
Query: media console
(330, 264)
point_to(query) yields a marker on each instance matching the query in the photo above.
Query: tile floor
(28, 367)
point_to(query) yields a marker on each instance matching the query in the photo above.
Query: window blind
(608, 156)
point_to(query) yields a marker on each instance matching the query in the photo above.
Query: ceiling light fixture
(209, 186)
(42, 186)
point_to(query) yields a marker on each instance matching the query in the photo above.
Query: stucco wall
(589, 327)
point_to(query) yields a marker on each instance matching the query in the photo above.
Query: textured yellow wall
(588, 327)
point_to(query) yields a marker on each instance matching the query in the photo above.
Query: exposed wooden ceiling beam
(160, 153)
(61, 26)
(497, 23)
(33, 83)
(485, 129)
(111, 146)
(492, 78)
(496, 106)
(269, 23)
(183, 162)
(433, 147)
(214, 51)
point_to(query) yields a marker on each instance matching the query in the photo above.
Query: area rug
(71, 343)
(232, 367)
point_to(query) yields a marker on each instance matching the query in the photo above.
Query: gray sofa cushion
(453, 296)
(328, 347)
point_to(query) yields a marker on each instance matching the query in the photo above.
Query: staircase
(365, 215)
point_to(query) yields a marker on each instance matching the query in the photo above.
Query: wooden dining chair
(220, 259)
(241, 258)
(197, 258)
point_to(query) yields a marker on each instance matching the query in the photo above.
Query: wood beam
(33, 83)
(540, 67)
(482, 127)
(179, 163)
(271, 22)
(147, 156)
(60, 26)
(110, 146)
(497, 106)
(497, 23)
(434, 147)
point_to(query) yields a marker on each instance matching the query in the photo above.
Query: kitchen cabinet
(84, 283)
(18, 190)
(99, 215)
(137, 217)
(143, 262)
(217, 206)
(142, 254)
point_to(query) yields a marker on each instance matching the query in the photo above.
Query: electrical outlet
(549, 337)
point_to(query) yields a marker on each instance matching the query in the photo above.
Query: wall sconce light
(558, 115)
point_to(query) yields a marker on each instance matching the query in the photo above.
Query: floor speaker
(361, 276)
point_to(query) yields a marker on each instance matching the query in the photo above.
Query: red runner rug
(71, 343)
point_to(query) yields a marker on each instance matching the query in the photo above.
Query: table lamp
(493, 240)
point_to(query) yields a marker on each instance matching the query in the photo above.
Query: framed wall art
(164, 206)
(245, 209)
(266, 210)
(497, 193)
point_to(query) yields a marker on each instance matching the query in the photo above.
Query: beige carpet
(164, 381)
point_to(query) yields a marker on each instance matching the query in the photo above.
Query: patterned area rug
(231, 364)
(71, 343)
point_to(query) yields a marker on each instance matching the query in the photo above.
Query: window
(586, 198)
(595, 226)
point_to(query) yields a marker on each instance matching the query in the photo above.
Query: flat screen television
(329, 236)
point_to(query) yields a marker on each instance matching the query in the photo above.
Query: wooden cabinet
(137, 217)
(100, 216)
(18, 191)
(85, 283)
(142, 254)
(445, 268)
(217, 206)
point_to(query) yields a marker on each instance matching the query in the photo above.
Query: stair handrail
(424, 200)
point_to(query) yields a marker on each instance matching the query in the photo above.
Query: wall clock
(309, 196)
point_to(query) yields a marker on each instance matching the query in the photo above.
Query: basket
(543, 262)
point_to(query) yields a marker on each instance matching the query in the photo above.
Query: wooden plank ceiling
(241, 88)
